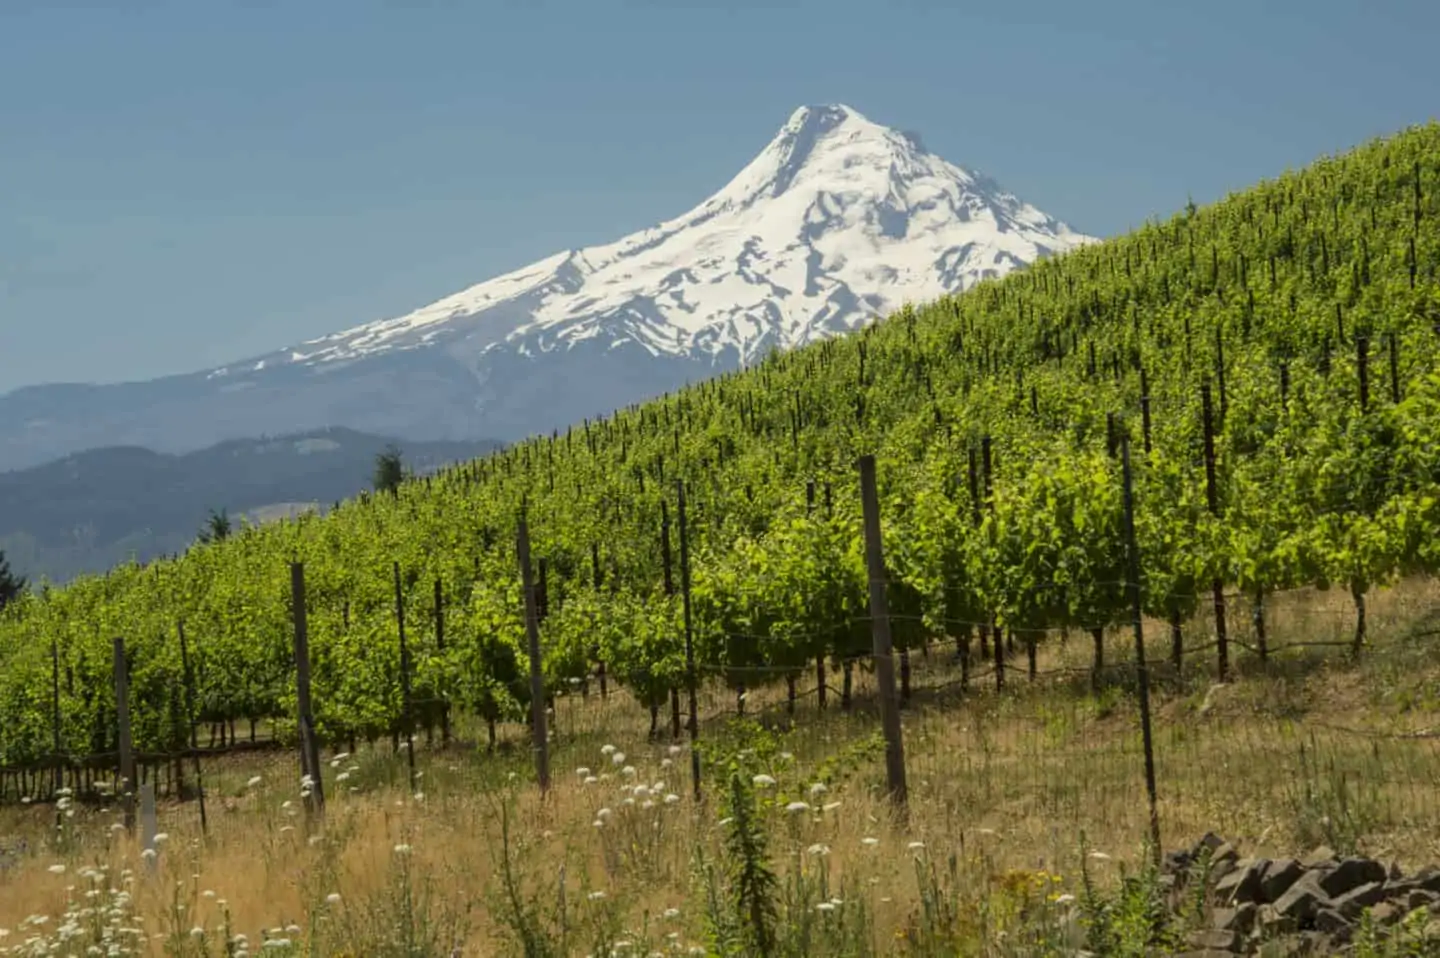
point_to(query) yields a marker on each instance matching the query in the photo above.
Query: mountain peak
(824, 114)
(836, 221)
(826, 139)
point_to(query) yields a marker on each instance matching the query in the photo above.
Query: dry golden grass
(1311, 748)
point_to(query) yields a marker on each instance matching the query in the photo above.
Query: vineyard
(1271, 362)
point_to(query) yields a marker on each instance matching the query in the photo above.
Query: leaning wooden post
(1362, 363)
(690, 677)
(880, 630)
(407, 716)
(309, 749)
(599, 659)
(1132, 564)
(539, 735)
(57, 773)
(190, 718)
(669, 583)
(126, 784)
(1212, 498)
(987, 461)
(440, 650)
(819, 656)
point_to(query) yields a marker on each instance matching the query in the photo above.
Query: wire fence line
(941, 649)
(1057, 742)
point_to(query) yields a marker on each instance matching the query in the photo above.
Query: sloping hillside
(1298, 318)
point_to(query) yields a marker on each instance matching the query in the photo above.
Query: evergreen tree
(11, 585)
(217, 528)
(389, 471)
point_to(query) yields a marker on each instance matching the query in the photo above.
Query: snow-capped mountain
(838, 221)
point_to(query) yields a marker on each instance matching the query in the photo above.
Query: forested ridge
(89, 511)
(1303, 314)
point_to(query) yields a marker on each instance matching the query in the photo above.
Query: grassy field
(1015, 800)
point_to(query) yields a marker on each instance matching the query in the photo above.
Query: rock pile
(1311, 905)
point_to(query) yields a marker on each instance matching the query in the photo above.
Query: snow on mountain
(839, 220)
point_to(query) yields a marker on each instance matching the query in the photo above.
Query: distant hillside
(92, 510)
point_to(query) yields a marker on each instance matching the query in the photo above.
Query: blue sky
(186, 184)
